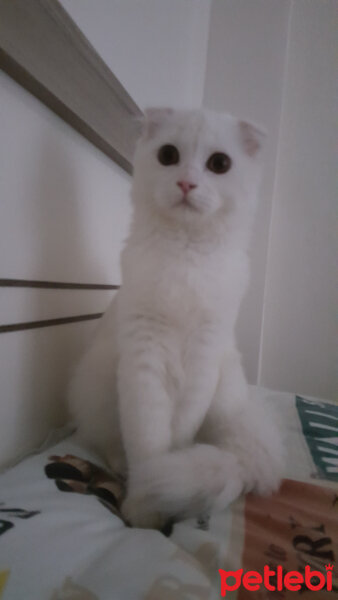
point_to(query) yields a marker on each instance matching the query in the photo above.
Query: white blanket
(68, 546)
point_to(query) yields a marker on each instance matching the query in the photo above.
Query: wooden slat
(47, 323)
(57, 285)
(42, 48)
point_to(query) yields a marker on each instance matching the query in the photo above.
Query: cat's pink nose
(186, 186)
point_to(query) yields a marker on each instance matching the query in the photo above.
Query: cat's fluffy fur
(162, 390)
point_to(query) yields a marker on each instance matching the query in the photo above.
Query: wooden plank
(43, 49)
(56, 285)
(48, 323)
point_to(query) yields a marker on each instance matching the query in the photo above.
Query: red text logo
(277, 579)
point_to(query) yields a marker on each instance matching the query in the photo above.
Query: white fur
(161, 390)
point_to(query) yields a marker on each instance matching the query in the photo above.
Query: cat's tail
(181, 484)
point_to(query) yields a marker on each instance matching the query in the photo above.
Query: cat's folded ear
(252, 138)
(153, 119)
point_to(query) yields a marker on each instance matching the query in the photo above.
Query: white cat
(162, 388)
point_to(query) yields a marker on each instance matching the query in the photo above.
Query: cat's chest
(193, 354)
(184, 287)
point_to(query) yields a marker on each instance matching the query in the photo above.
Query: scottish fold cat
(161, 391)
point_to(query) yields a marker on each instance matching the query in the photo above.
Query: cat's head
(195, 165)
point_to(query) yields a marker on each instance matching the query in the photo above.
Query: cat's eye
(219, 163)
(168, 155)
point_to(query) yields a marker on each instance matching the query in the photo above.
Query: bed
(62, 535)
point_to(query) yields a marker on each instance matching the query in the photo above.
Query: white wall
(299, 338)
(245, 76)
(274, 61)
(157, 48)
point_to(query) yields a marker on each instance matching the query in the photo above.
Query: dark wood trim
(56, 285)
(47, 323)
(43, 49)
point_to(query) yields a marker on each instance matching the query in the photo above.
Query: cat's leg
(246, 429)
(92, 398)
(163, 482)
(145, 412)
(200, 381)
(168, 475)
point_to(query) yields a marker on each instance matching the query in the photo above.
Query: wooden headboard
(64, 209)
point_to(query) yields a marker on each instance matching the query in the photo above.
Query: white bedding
(57, 546)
